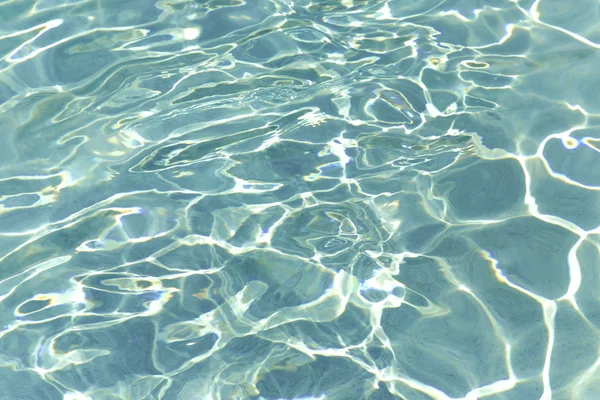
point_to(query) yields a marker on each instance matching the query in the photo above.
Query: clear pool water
(299, 199)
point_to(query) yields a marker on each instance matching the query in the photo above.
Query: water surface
(278, 199)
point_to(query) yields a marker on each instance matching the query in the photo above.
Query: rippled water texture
(295, 199)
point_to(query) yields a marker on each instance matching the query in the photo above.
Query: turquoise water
(295, 199)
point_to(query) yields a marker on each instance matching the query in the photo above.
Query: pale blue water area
(299, 199)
